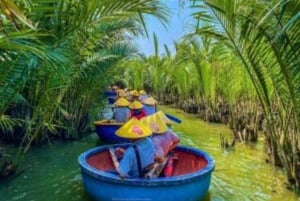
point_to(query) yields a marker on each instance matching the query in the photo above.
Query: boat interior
(185, 162)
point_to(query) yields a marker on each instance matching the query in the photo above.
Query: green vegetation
(56, 57)
(239, 66)
(264, 36)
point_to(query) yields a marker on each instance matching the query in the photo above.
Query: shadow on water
(52, 171)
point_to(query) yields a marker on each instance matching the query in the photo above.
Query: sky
(177, 27)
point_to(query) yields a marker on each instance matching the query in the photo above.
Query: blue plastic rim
(174, 180)
(107, 133)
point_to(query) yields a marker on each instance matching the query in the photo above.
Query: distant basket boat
(110, 93)
(111, 96)
(190, 180)
(106, 129)
(111, 100)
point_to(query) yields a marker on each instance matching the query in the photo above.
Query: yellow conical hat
(155, 123)
(150, 101)
(122, 93)
(122, 102)
(134, 93)
(164, 117)
(136, 105)
(142, 92)
(133, 129)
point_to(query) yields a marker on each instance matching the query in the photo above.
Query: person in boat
(127, 92)
(138, 156)
(165, 119)
(143, 95)
(137, 110)
(149, 105)
(121, 110)
(134, 95)
(121, 93)
(115, 88)
(164, 139)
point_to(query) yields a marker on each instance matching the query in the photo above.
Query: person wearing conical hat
(134, 95)
(140, 154)
(121, 110)
(143, 95)
(142, 92)
(137, 110)
(165, 119)
(115, 88)
(121, 93)
(164, 139)
(149, 105)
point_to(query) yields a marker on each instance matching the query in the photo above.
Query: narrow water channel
(52, 172)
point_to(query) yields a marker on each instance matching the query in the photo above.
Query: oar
(157, 169)
(114, 158)
(173, 118)
(115, 162)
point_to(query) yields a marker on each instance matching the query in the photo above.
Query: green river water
(241, 174)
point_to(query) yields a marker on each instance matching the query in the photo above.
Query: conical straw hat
(150, 101)
(142, 92)
(164, 117)
(133, 129)
(155, 123)
(134, 93)
(122, 102)
(122, 93)
(136, 105)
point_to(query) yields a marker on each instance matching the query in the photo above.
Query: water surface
(241, 174)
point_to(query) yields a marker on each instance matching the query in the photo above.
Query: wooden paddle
(114, 158)
(157, 169)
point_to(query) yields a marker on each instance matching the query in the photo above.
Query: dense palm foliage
(202, 77)
(241, 60)
(240, 63)
(264, 35)
(55, 61)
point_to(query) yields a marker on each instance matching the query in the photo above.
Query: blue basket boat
(190, 180)
(110, 93)
(106, 130)
(111, 96)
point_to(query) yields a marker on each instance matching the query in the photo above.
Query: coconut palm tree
(59, 59)
(264, 36)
